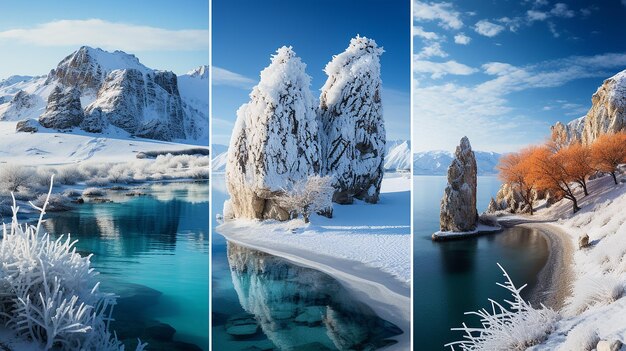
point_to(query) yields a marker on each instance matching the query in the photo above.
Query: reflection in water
(152, 251)
(300, 308)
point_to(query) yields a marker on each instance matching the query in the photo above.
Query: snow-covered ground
(596, 309)
(51, 147)
(366, 247)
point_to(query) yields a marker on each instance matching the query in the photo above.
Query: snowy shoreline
(481, 229)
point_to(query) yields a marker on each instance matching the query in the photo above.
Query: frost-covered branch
(516, 325)
(308, 195)
(49, 293)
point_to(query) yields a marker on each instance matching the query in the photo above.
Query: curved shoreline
(555, 278)
(387, 296)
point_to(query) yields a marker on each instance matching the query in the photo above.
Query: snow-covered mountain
(398, 156)
(437, 162)
(111, 93)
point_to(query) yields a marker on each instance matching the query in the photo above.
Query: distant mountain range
(437, 162)
(105, 93)
(398, 156)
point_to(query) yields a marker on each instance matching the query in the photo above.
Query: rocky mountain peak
(201, 72)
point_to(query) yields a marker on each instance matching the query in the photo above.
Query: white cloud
(561, 10)
(440, 69)
(443, 13)
(431, 50)
(536, 15)
(488, 29)
(462, 39)
(109, 35)
(420, 32)
(483, 110)
(223, 76)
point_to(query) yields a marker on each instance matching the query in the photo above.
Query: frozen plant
(307, 196)
(594, 289)
(69, 175)
(517, 326)
(50, 294)
(93, 192)
(14, 176)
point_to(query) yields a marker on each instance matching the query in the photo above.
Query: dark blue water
(453, 277)
(153, 252)
(263, 302)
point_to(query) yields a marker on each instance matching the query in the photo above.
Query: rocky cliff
(606, 115)
(458, 205)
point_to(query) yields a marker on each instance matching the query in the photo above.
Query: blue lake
(454, 277)
(263, 302)
(152, 251)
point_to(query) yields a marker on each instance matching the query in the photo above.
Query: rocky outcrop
(565, 134)
(607, 115)
(19, 106)
(353, 149)
(64, 110)
(458, 205)
(27, 126)
(608, 109)
(274, 142)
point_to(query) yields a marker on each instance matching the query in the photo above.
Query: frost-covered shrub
(69, 175)
(582, 338)
(94, 182)
(517, 326)
(308, 196)
(93, 192)
(13, 176)
(594, 289)
(56, 202)
(72, 193)
(351, 115)
(50, 294)
(119, 173)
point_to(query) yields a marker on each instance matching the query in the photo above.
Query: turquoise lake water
(263, 302)
(454, 277)
(153, 251)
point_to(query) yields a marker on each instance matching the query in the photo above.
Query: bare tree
(306, 196)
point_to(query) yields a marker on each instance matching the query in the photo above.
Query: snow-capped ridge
(436, 162)
(201, 71)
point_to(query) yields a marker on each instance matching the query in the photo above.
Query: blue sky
(246, 33)
(501, 72)
(36, 35)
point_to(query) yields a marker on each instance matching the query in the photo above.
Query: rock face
(274, 141)
(458, 205)
(64, 110)
(608, 109)
(607, 114)
(117, 92)
(353, 149)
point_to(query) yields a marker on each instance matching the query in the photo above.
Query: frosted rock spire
(274, 141)
(458, 205)
(352, 122)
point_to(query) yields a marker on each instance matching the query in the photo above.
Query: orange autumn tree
(609, 151)
(551, 171)
(576, 160)
(516, 170)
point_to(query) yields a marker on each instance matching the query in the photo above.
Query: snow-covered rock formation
(114, 93)
(64, 110)
(607, 114)
(458, 205)
(352, 122)
(274, 142)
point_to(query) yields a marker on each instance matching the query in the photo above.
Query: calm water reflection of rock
(299, 308)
